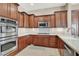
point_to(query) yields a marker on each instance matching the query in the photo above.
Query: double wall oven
(8, 35)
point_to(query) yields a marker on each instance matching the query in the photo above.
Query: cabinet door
(20, 20)
(45, 41)
(9, 10)
(35, 40)
(3, 9)
(53, 42)
(61, 19)
(60, 46)
(58, 19)
(52, 21)
(29, 40)
(64, 19)
(31, 21)
(26, 21)
(14, 10)
(36, 22)
(22, 42)
(47, 18)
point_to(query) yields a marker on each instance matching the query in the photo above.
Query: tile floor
(38, 51)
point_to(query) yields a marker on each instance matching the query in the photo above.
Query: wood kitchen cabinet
(60, 46)
(9, 10)
(26, 20)
(20, 20)
(45, 40)
(47, 18)
(52, 21)
(61, 19)
(35, 40)
(40, 40)
(42, 18)
(3, 9)
(53, 42)
(31, 21)
(29, 40)
(36, 20)
(14, 11)
(22, 43)
(23, 20)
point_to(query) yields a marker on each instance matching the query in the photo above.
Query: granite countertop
(73, 42)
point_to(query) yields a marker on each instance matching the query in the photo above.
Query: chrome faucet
(73, 31)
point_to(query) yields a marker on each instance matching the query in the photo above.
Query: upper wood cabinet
(47, 19)
(23, 20)
(61, 19)
(14, 11)
(4, 9)
(31, 21)
(26, 20)
(36, 19)
(42, 18)
(9, 10)
(52, 21)
(20, 20)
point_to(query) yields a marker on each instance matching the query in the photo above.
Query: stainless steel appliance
(68, 51)
(8, 45)
(8, 35)
(43, 24)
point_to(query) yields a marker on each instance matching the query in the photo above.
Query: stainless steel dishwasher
(68, 51)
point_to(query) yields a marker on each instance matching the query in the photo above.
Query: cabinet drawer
(53, 45)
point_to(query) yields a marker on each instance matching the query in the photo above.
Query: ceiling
(35, 6)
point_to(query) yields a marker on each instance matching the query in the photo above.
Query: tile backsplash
(26, 31)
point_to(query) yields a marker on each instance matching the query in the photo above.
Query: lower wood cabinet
(40, 40)
(29, 40)
(53, 42)
(23, 42)
(45, 40)
(60, 46)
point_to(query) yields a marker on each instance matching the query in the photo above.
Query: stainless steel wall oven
(8, 35)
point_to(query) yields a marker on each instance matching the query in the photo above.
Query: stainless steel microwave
(43, 24)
